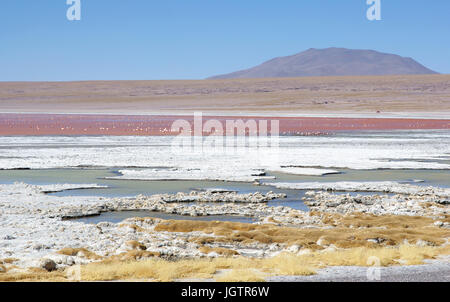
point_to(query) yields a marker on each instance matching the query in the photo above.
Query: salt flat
(156, 158)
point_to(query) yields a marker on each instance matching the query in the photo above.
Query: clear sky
(194, 39)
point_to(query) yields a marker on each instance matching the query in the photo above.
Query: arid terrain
(368, 95)
(92, 187)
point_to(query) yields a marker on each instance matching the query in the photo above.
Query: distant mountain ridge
(332, 62)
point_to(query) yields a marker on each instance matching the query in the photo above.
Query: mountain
(332, 62)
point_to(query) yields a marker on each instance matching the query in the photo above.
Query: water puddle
(131, 188)
(116, 217)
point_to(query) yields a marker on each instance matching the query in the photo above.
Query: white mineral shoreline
(32, 225)
(297, 155)
(367, 186)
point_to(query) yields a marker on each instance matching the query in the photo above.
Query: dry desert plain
(429, 94)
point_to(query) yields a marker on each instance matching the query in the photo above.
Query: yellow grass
(350, 232)
(360, 256)
(218, 250)
(162, 270)
(288, 264)
(74, 252)
(241, 275)
(241, 269)
(349, 238)
(8, 260)
(283, 264)
(155, 269)
(33, 276)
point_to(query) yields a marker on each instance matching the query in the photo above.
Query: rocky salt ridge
(30, 223)
(304, 171)
(67, 187)
(203, 174)
(412, 205)
(176, 204)
(217, 173)
(353, 186)
(32, 226)
(210, 196)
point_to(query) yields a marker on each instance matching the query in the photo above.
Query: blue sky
(194, 39)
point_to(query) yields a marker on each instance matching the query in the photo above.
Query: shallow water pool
(116, 217)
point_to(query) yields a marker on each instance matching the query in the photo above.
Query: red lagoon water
(97, 124)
